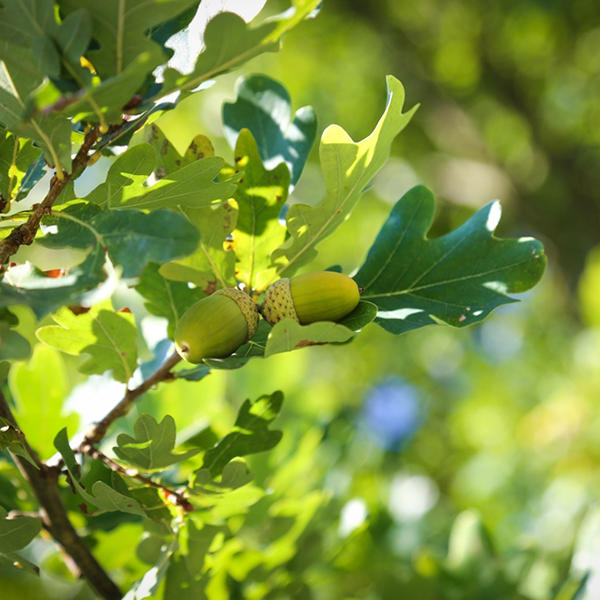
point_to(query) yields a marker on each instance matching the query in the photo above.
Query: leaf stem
(174, 497)
(98, 430)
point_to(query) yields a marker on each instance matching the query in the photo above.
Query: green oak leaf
(16, 561)
(347, 167)
(152, 447)
(165, 298)
(16, 156)
(13, 439)
(186, 576)
(169, 160)
(131, 238)
(40, 387)
(23, 21)
(62, 444)
(12, 344)
(196, 374)
(120, 27)
(287, 335)
(108, 337)
(235, 475)
(212, 265)
(457, 279)
(263, 106)
(260, 196)
(362, 315)
(22, 71)
(250, 434)
(191, 186)
(26, 284)
(16, 533)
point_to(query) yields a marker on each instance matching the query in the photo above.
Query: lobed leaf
(347, 168)
(250, 434)
(191, 186)
(108, 337)
(235, 475)
(263, 106)
(26, 284)
(16, 533)
(260, 196)
(131, 238)
(152, 447)
(456, 279)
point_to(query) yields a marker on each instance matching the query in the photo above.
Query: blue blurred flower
(392, 413)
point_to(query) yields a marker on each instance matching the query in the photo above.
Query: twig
(173, 496)
(25, 234)
(44, 483)
(98, 430)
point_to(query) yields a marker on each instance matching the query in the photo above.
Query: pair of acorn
(218, 325)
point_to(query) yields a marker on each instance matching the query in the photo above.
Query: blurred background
(446, 463)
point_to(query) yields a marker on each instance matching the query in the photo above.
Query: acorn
(216, 326)
(320, 296)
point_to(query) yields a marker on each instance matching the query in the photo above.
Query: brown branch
(44, 483)
(98, 430)
(25, 234)
(174, 497)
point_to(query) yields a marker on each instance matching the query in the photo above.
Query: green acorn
(321, 296)
(216, 326)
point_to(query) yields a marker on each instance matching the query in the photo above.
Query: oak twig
(98, 430)
(25, 234)
(44, 483)
(173, 496)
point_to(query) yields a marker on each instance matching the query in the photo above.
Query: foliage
(199, 496)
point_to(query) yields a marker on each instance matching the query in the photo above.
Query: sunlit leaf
(347, 167)
(108, 337)
(250, 434)
(152, 446)
(263, 106)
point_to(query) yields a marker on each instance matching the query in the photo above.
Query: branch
(98, 430)
(25, 234)
(173, 496)
(44, 483)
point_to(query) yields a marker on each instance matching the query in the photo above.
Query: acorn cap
(246, 305)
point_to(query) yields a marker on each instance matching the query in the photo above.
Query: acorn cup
(320, 296)
(216, 326)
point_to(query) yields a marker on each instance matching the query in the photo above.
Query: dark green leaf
(12, 344)
(235, 475)
(168, 299)
(108, 337)
(263, 106)
(456, 279)
(132, 238)
(195, 374)
(16, 156)
(121, 30)
(16, 533)
(25, 284)
(250, 434)
(16, 561)
(61, 443)
(362, 315)
(152, 447)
